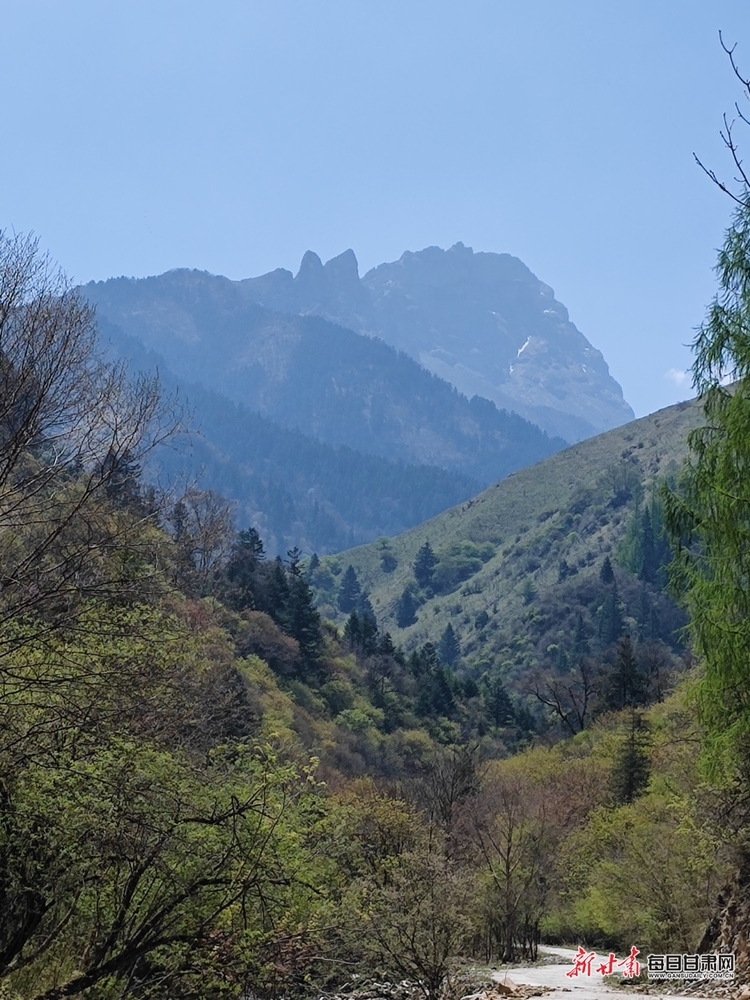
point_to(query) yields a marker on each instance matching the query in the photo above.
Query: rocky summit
(482, 321)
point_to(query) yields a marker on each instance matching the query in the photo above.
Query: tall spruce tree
(302, 618)
(406, 607)
(632, 764)
(449, 648)
(625, 684)
(424, 565)
(350, 593)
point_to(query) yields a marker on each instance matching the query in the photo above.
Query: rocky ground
(548, 978)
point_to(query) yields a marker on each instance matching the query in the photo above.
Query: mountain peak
(482, 321)
(344, 268)
(310, 266)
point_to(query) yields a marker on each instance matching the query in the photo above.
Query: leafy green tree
(710, 514)
(424, 565)
(388, 562)
(414, 920)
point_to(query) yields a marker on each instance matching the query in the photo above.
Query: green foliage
(424, 565)
(350, 592)
(625, 685)
(632, 764)
(644, 550)
(406, 609)
(449, 648)
(457, 563)
(611, 623)
(709, 515)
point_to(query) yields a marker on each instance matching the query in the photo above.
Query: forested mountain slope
(206, 790)
(482, 321)
(310, 374)
(297, 491)
(518, 572)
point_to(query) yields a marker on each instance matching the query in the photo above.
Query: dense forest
(207, 790)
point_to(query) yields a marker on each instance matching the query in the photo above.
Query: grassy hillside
(520, 561)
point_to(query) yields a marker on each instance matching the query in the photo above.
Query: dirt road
(565, 988)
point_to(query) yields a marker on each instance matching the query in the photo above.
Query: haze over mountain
(482, 321)
(295, 490)
(313, 375)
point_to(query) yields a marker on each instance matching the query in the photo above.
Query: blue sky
(233, 135)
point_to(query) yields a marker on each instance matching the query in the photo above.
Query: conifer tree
(610, 618)
(498, 707)
(449, 648)
(626, 685)
(302, 617)
(240, 581)
(632, 764)
(406, 608)
(606, 573)
(276, 595)
(424, 565)
(581, 645)
(350, 593)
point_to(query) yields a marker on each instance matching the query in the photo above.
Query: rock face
(729, 930)
(307, 373)
(481, 321)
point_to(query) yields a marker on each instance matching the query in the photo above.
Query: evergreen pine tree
(581, 644)
(276, 595)
(632, 765)
(449, 648)
(606, 573)
(350, 593)
(626, 684)
(365, 608)
(424, 565)
(498, 707)
(406, 608)
(241, 586)
(302, 617)
(649, 563)
(353, 631)
(611, 622)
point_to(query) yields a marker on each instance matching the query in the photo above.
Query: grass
(573, 506)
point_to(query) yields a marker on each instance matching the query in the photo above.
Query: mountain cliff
(482, 321)
(312, 375)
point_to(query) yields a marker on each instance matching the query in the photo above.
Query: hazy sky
(233, 135)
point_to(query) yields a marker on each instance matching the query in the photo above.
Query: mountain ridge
(525, 545)
(316, 376)
(482, 321)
